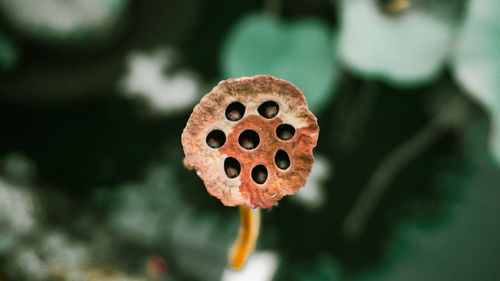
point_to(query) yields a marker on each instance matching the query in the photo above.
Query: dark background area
(101, 170)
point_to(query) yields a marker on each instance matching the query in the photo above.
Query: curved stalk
(247, 238)
(451, 116)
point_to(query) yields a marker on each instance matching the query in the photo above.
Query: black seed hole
(282, 160)
(285, 131)
(235, 111)
(269, 109)
(259, 174)
(232, 167)
(249, 139)
(216, 139)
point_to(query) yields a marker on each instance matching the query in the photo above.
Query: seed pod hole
(269, 109)
(232, 167)
(235, 111)
(259, 174)
(249, 139)
(216, 139)
(285, 131)
(282, 160)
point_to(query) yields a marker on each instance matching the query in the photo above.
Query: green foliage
(152, 212)
(476, 61)
(5, 243)
(117, 6)
(52, 21)
(465, 244)
(103, 175)
(403, 49)
(8, 53)
(298, 51)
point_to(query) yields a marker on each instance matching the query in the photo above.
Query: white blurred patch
(55, 254)
(64, 257)
(261, 266)
(137, 217)
(32, 264)
(406, 50)
(17, 209)
(475, 62)
(58, 19)
(312, 195)
(165, 92)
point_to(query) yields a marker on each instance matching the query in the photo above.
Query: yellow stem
(398, 5)
(247, 238)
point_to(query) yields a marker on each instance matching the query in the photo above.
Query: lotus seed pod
(250, 140)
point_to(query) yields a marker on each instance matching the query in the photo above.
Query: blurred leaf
(404, 48)
(8, 53)
(74, 70)
(116, 6)
(461, 245)
(48, 20)
(476, 61)
(18, 167)
(153, 213)
(298, 51)
(5, 243)
(152, 76)
(465, 244)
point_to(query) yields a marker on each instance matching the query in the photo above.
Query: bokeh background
(94, 95)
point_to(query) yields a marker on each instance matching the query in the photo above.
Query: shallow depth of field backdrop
(94, 95)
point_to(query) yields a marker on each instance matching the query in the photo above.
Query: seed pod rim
(209, 114)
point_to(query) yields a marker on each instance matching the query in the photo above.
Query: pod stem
(452, 116)
(247, 238)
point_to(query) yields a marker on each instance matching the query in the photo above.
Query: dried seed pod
(263, 126)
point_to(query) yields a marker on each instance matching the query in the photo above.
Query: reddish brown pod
(250, 140)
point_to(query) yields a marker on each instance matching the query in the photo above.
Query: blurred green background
(94, 95)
